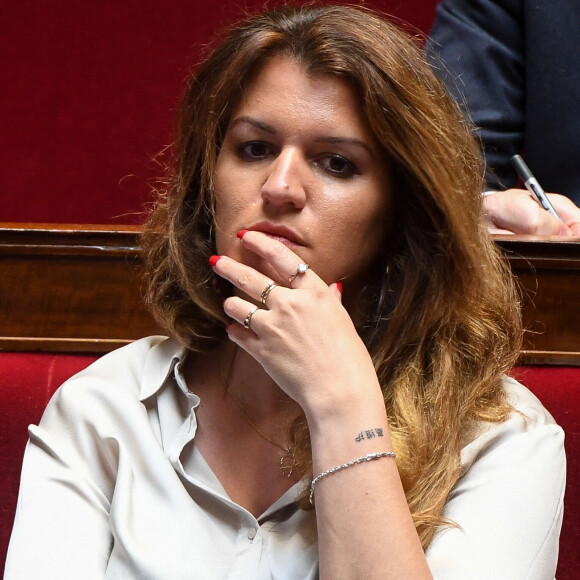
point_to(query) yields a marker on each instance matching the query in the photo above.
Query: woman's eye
(338, 166)
(254, 150)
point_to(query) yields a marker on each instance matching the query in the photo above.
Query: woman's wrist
(340, 401)
(358, 427)
(364, 459)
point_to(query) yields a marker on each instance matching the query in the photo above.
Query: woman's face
(300, 163)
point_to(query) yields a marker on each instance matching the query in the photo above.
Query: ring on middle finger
(266, 292)
(248, 319)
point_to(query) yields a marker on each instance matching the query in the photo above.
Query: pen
(532, 185)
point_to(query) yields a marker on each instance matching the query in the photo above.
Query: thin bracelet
(367, 457)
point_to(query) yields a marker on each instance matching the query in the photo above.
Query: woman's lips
(283, 234)
(282, 240)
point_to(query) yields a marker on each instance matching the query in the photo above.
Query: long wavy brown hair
(440, 311)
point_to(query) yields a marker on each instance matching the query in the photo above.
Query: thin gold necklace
(288, 460)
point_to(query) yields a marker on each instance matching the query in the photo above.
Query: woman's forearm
(365, 529)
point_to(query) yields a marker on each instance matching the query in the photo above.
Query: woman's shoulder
(135, 372)
(523, 401)
(509, 497)
(528, 425)
(101, 412)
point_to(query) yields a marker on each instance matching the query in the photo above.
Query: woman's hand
(303, 336)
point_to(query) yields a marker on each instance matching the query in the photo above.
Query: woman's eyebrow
(269, 129)
(250, 120)
(348, 141)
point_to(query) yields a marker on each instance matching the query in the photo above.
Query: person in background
(514, 67)
(332, 399)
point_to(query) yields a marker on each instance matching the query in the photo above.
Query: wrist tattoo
(369, 434)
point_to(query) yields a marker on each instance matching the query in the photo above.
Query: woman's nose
(285, 181)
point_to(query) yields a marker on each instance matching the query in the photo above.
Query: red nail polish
(241, 233)
(339, 286)
(214, 260)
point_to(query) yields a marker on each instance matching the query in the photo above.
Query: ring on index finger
(300, 269)
(248, 319)
(266, 292)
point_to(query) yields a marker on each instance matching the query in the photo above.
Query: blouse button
(252, 533)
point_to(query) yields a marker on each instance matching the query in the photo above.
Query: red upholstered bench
(27, 381)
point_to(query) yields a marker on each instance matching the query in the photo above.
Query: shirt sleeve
(476, 48)
(61, 528)
(508, 505)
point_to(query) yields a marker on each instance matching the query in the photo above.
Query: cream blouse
(113, 486)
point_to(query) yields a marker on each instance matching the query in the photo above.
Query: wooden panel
(76, 288)
(548, 271)
(70, 288)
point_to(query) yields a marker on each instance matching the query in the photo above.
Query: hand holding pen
(514, 211)
(532, 185)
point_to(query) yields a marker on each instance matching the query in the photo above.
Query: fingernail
(228, 326)
(241, 233)
(214, 260)
(339, 286)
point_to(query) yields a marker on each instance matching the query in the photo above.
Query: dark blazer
(515, 64)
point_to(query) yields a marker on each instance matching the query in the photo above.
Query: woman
(319, 257)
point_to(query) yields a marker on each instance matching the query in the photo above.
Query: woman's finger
(293, 271)
(252, 283)
(245, 313)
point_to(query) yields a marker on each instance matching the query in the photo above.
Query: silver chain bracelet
(367, 457)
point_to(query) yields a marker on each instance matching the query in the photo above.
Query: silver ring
(300, 269)
(271, 285)
(248, 318)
